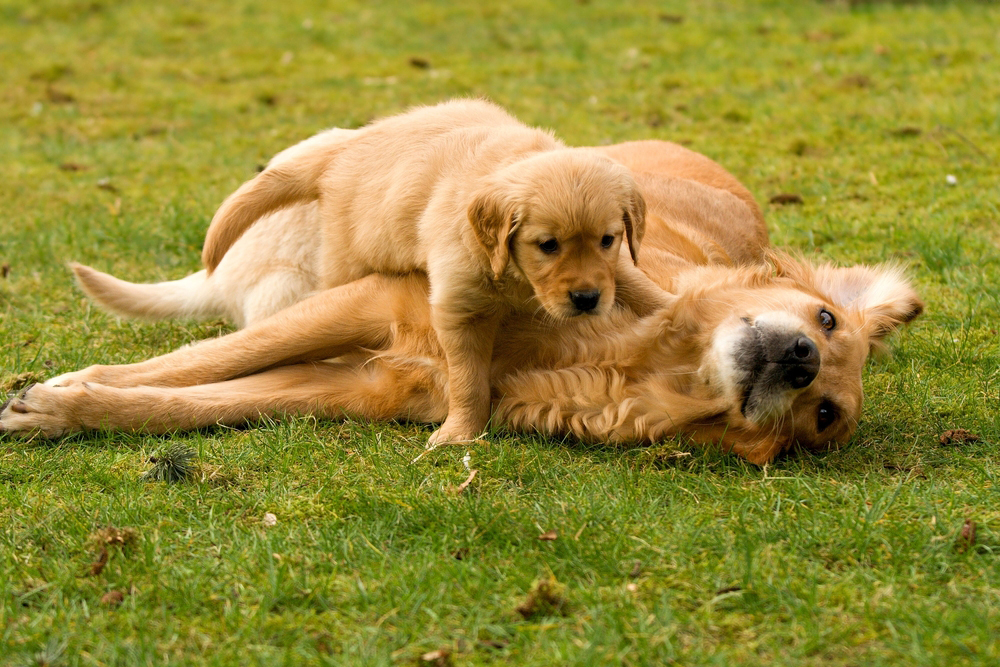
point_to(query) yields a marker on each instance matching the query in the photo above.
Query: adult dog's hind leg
(326, 389)
(361, 314)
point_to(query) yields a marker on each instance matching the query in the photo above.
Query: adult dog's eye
(607, 241)
(549, 247)
(825, 415)
(827, 320)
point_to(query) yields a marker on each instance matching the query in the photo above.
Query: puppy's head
(788, 356)
(559, 219)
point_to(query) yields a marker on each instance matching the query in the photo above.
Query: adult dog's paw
(90, 374)
(36, 409)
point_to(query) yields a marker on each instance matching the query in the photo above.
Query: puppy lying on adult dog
(502, 218)
(755, 351)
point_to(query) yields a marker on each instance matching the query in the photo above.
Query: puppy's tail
(187, 297)
(278, 186)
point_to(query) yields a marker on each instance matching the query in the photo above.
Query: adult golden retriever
(502, 218)
(757, 350)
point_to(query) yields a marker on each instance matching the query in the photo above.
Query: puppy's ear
(494, 219)
(881, 295)
(634, 218)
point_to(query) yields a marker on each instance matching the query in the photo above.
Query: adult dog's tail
(187, 297)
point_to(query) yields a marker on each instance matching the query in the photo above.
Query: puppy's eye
(607, 241)
(549, 247)
(825, 415)
(827, 320)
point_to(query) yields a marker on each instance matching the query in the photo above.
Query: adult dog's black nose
(802, 359)
(585, 300)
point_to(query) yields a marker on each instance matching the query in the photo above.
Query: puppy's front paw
(35, 409)
(452, 435)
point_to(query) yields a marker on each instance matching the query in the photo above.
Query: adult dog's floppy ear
(881, 295)
(494, 219)
(759, 451)
(634, 217)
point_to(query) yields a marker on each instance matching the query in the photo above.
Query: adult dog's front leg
(468, 346)
(339, 320)
(326, 389)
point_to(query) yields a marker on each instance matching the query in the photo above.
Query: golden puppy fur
(502, 217)
(756, 352)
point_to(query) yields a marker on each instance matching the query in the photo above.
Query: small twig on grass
(461, 487)
(968, 142)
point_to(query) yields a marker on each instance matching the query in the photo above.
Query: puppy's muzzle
(585, 300)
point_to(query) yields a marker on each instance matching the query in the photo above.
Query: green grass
(846, 558)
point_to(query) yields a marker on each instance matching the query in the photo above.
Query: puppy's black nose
(802, 357)
(585, 300)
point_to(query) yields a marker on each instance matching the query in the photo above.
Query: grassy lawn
(124, 124)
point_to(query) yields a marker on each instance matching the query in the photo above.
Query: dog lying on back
(756, 351)
(502, 217)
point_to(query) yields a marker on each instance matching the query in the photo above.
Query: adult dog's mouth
(773, 364)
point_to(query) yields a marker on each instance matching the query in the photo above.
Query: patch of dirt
(112, 598)
(957, 436)
(20, 381)
(547, 597)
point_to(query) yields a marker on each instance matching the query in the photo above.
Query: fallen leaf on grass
(439, 658)
(98, 566)
(957, 436)
(672, 18)
(821, 36)
(786, 198)
(420, 63)
(636, 569)
(112, 598)
(728, 589)
(549, 536)
(967, 536)
(106, 184)
(856, 81)
(546, 598)
(58, 97)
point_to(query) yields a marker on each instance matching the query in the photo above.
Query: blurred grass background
(123, 125)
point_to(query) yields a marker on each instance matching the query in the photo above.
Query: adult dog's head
(559, 219)
(785, 351)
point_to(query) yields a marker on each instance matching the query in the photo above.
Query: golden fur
(755, 352)
(502, 217)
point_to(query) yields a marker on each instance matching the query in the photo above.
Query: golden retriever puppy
(502, 217)
(757, 352)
